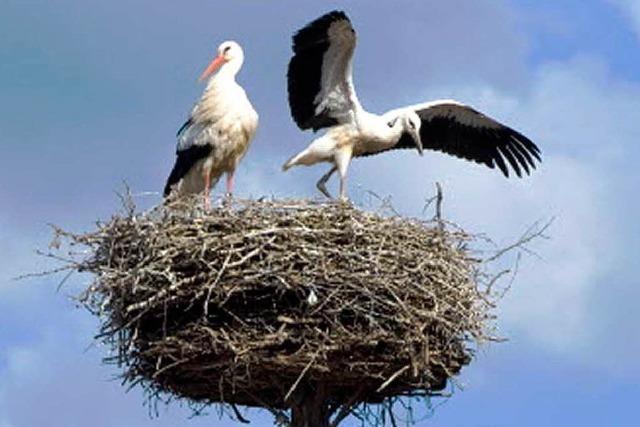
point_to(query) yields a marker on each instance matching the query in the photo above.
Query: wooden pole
(309, 406)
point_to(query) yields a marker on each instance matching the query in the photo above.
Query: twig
(393, 377)
(302, 374)
(238, 415)
(438, 198)
(530, 234)
(392, 417)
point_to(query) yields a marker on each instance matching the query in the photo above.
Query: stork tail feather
(290, 163)
(174, 177)
(185, 161)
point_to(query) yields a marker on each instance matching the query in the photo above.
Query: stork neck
(395, 131)
(381, 133)
(227, 72)
(358, 116)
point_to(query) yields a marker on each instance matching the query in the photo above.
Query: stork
(322, 95)
(218, 132)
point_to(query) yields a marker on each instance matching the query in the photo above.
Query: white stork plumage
(219, 131)
(322, 95)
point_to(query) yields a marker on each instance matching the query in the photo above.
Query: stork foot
(321, 184)
(228, 200)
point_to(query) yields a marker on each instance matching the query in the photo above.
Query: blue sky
(92, 92)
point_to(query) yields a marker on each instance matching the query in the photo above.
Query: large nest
(252, 303)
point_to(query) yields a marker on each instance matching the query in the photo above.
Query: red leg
(230, 183)
(207, 190)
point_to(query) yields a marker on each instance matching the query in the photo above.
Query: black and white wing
(457, 129)
(320, 85)
(193, 145)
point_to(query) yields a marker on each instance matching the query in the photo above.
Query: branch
(530, 234)
(238, 415)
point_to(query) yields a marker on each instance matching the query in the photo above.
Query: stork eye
(413, 125)
(226, 49)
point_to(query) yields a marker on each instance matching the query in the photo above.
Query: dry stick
(304, 371)
(438, 202)
(391, 416)
(528, 236)
(169, 366)
(438, 198)
(393, 377)
(215, 282)
(245, 258)
(238, 415)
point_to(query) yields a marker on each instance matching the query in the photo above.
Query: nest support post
(310, 406)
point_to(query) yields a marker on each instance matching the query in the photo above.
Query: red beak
(215, 64)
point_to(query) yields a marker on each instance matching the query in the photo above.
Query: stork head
(230, 56)
(411, 124)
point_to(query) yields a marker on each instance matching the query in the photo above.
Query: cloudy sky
(92, 92)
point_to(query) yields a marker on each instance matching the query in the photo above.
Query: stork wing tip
(309, 33)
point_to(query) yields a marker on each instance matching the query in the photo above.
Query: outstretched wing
(459, 130)
(320, 84)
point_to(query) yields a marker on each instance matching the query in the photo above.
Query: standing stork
(322, 95)
(219, 131)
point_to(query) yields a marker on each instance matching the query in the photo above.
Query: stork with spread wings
(322, 95)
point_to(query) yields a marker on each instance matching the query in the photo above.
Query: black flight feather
(304, 76)
(491, 145)
(186, 159)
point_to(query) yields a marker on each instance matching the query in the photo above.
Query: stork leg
(207, 189)
(343, 158)
(229, 195)
(321, 184)
(230, 183)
